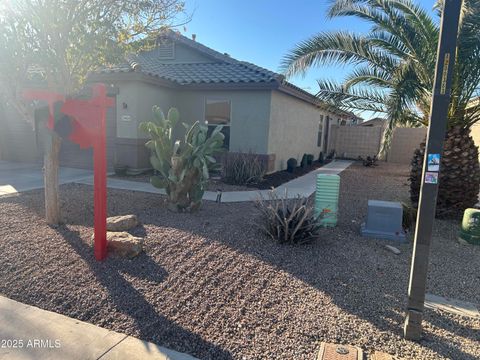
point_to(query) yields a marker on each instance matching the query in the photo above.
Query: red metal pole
(100, 183)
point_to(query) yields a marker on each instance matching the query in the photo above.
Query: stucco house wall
(184, 54)
(269, 117)
(135, 99)
(250, 114)
(18, 140)
(293, 130)
(476, 134)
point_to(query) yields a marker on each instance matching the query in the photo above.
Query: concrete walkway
(18, 177)
(303, 186)
(28, 333)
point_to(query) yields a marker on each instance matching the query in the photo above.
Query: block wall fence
(354, 141)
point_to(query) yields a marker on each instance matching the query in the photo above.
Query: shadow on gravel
(358, 274)
(128, 300)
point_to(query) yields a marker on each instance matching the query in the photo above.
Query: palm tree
(393, 73)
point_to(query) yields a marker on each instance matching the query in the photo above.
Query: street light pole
(434, 149)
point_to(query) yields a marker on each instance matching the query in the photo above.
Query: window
(320, 132)
(217, 112)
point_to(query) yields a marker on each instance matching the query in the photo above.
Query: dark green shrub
(310, 159)
(303, 163)
(321, 158)
(291, 165)
(288, 221)
(331, 155)
(242, 169)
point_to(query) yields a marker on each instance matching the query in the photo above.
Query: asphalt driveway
(18, 177)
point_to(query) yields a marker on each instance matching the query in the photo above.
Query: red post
(90, 130)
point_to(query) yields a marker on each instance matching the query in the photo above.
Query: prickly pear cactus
(183, 167)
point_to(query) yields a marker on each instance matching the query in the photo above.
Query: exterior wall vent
(166, 50)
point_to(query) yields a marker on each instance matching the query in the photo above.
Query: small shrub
(321, 158)
(291, 165)
(303, 163)
(242, 169)
(369, 161)
(310, 159)
(409, 216)
(287, 221)
(331, 155)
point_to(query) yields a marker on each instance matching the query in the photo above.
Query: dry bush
(242, 169)
(287, 221)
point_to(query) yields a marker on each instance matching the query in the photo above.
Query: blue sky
(262, 31)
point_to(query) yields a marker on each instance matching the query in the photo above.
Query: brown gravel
(212, 286)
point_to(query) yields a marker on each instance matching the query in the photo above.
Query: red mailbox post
(89, 130)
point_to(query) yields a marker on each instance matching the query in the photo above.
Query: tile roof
(196, 73)
(222, 69)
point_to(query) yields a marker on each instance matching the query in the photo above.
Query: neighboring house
(260, 111)
(374, 122)
(475, 130)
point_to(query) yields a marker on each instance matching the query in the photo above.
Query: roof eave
(129, 76)
(231, 86)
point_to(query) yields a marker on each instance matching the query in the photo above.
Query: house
(261, 112)
(374, 122)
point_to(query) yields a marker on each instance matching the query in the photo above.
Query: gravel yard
(210, 285)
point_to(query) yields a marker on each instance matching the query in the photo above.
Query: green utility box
(470, 231)
(326, 198)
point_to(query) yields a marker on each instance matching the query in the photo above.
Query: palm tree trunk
(459, 181)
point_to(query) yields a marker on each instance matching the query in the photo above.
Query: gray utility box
(384, 221)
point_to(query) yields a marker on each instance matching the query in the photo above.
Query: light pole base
(412, 329)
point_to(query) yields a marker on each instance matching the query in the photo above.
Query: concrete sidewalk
(18, 177)
(30, 333)
(303, 186)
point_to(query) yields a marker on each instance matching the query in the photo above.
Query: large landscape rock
(124, 244)
(122, 223)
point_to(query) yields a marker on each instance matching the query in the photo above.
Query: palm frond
(360, 99)
(368, 75)
(394, 64)
(335, 48)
